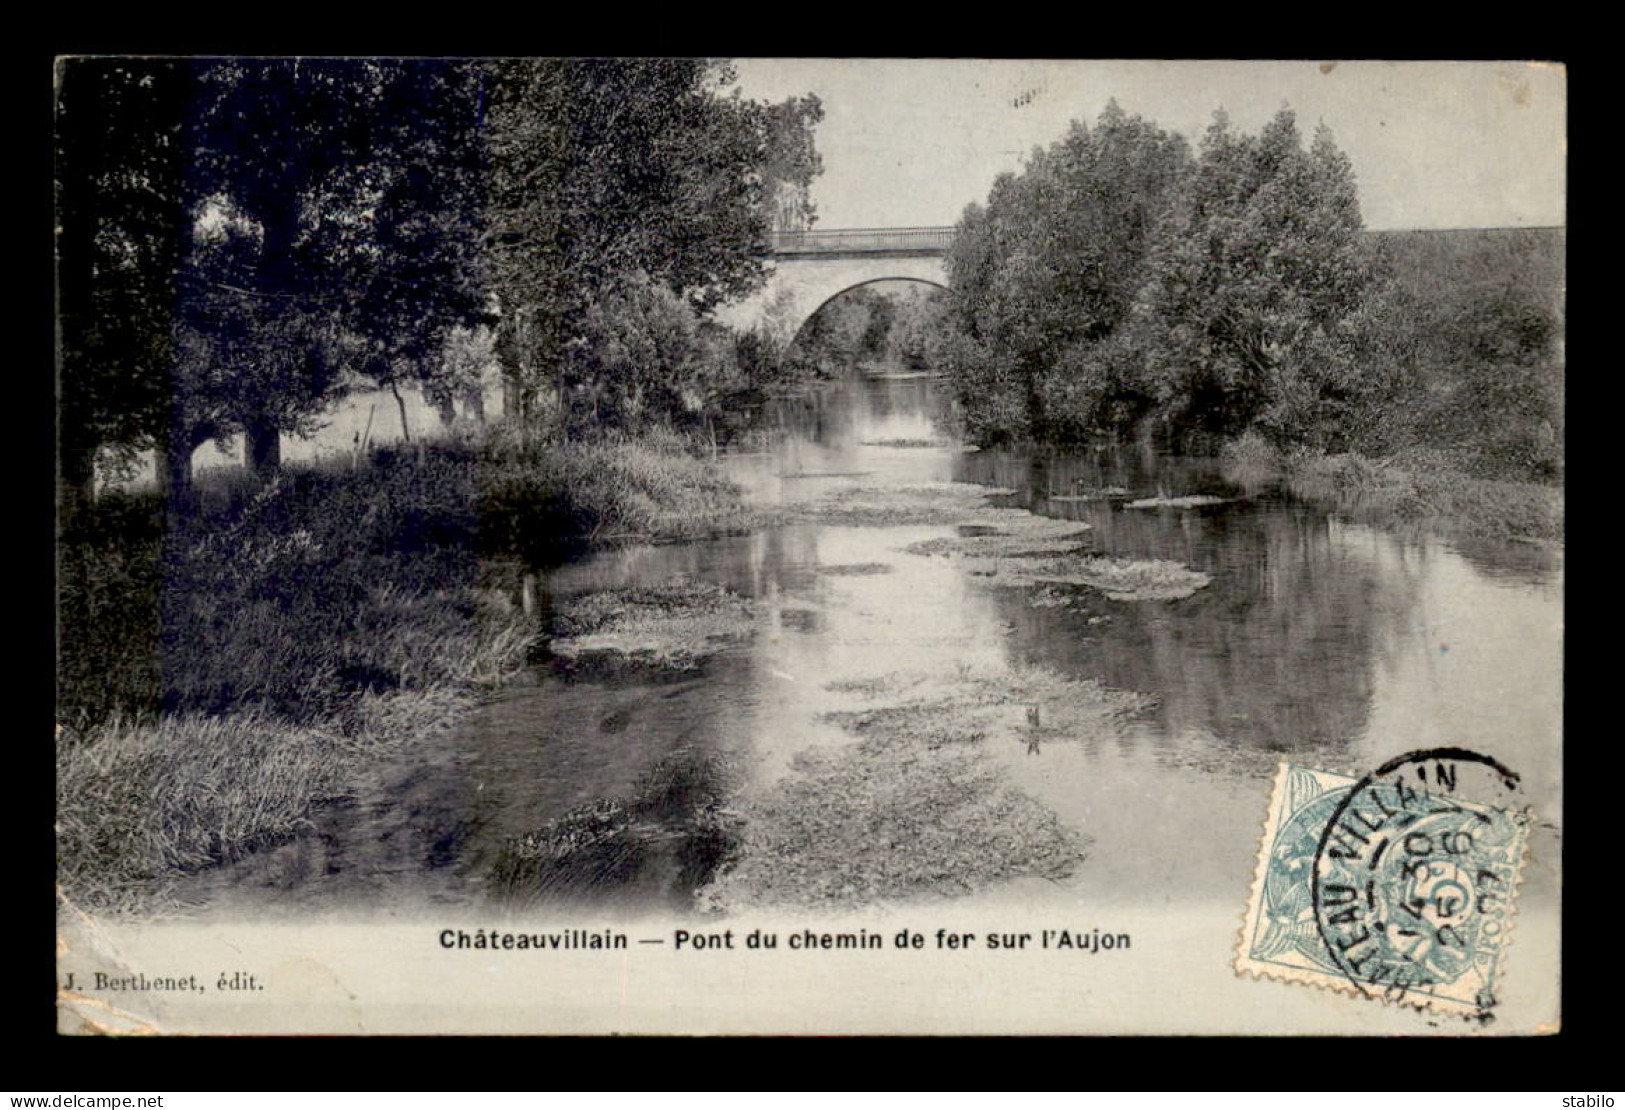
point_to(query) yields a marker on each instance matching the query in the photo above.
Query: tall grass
(222, 675)
(333, 580)
(138, 803)
(1413, 486)
(548, 500)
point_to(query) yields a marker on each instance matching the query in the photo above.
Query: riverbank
(1414, 488)
(223, 677)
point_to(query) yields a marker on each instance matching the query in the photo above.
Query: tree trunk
(527, 595)
(363, 439)
(510, 395)
(406, 433)
(506, 349)
(76, 479)
(446, 409)
(262, 448)
(174, 465)
(513, 394)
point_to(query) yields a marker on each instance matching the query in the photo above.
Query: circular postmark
(1413, 877)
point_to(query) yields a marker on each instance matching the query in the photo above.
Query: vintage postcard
(809, 546)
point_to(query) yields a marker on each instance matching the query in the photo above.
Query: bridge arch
(807, 319)
(813, 267)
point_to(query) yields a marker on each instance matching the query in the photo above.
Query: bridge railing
(862, 240)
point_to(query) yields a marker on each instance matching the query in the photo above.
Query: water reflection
(871, 429)
(1317, 640)
(605, 789)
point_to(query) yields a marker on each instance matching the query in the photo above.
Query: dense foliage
(1120, 285)
(335, 229)
(849, 330)
(1475, 319)
(242, 238)
(119, 172)
(245, 240)
(1046, 273)
(1252, 311)
(608, 170)
(642, 357)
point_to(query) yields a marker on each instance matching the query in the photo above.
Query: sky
(910, 142)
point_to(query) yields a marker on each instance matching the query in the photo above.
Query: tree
(1470, 323)
(606, 168)
(845, 330)
(459, 373)
(876, 342)
(420, 276)
(1056, 258)
(642, 358)
(792, 161)
(336, 229)
(120, 179)
(1252, 315)
(245, 239)
(241, 238)
(981, 365)
(916, 335)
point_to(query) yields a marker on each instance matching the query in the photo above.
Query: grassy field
(222, 674)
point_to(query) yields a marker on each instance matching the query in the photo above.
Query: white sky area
(910, 142)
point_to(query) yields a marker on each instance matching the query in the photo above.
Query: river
(1318, 640)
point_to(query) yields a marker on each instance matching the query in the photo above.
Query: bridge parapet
(863, 240)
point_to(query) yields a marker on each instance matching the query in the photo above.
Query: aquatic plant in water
(918, 806)
(883, 506)
(1118, 579)
(1191, 501)
(673, 626)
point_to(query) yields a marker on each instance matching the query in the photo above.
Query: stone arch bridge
(811, 268)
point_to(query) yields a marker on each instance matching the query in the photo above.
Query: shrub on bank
(545, 502)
